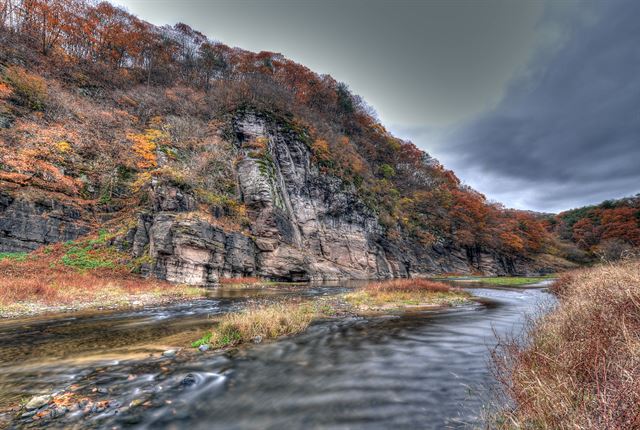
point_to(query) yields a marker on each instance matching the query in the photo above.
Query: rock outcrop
(29, 220)
(304, 225)
(190, 251)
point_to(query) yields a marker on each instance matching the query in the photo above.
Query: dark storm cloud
(567, 132)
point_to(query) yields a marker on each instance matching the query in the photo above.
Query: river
(426, 370)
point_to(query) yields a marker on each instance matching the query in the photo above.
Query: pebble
(58, 412)
(189, 380)
(135, 402)
(99, 407)
(38, 401)
(169, 353)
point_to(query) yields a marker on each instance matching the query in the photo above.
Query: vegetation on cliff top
(579, 366)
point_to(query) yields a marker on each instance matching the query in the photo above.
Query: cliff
(203, 161)
(304, 225)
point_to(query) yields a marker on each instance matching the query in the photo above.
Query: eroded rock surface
(28, 221)
(305, 226)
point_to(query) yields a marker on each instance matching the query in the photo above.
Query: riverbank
(91, 274)
(78, 276)
(116, 296)
(579, 366)
(503, 281)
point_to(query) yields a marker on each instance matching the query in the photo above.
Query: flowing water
(423, 370)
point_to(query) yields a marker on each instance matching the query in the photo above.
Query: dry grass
(60, 277)
(263, 322)
(579, 367)
(400, 293)
(241, 281)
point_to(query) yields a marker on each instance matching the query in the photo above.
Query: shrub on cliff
(28, 89)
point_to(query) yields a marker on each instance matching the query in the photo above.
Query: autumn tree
(621, 223)
(211, 63)
(46, 20)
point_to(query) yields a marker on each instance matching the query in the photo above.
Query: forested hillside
(610, 229)
(108, 121)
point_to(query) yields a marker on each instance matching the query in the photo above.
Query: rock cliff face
(29, 220)
(190, 251)
(304, 225)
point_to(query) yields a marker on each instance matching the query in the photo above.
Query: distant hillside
(609, 229)
(205, 161)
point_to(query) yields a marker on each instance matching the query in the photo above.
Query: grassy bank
(258, 323)
(78, 275)
(242, 282)
(515, 281)
(579, 367)
(400, 294)
(506, 281)
(275, 320)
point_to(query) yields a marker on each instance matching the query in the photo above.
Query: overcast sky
(536, 104)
